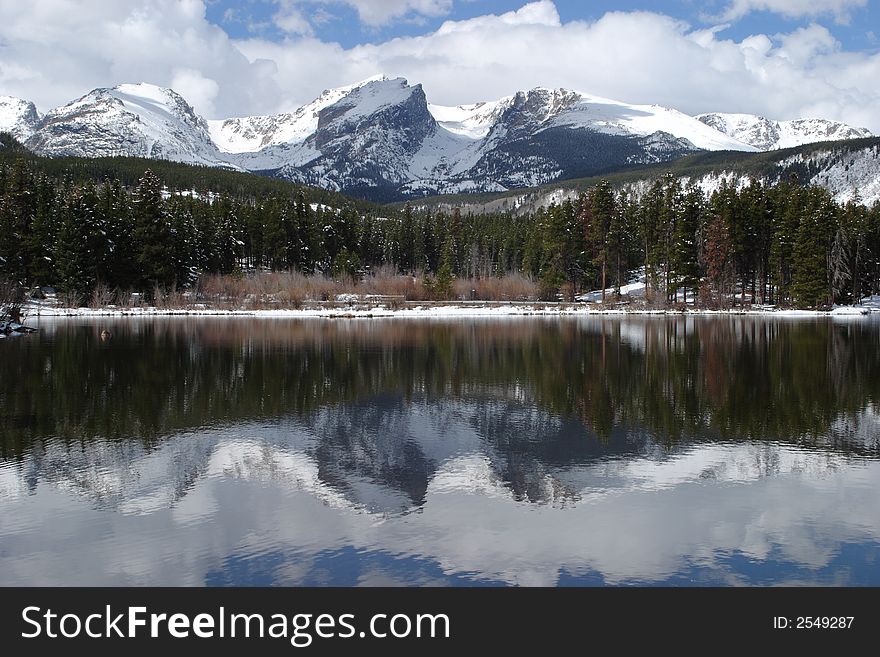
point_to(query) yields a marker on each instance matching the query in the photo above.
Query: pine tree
(304, 229)
(718, 255)
(870, 278)
(372, 242)
(669, 215)
(685, 257)
(184, 238)
(121, 270)
(152, 235)
(725, 204)
(346, 264)
(597, 228)
(847, 254)
(533, 250)
(748, 228)
(457, 235)
(274, 235)
(567, 259)
(650, 219)
(624, 234)
(787, 209)
(81, 247)
(444, 279)
(39, 242)
(17, 214)
(229, 244)
(811, 284)
(407, 241)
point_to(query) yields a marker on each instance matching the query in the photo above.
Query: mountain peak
(368, 98)
(18, 117)
(134, 120)
(253, 133)
(146, 90)
(381, 77)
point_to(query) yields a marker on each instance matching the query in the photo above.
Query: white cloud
(381, 12)
(291, 20)
(636, 57)
(373, 13)
(200, 91)
(54, 52)
(840, 9)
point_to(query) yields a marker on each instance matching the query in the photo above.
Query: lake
(572, 451)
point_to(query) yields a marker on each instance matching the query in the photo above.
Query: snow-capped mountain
(253, 133)
(381, 139)
(767, 135)
(18, 117)
(367, 140)
(543, 134)
(134, 120)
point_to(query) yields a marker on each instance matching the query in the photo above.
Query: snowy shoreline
(427, 310)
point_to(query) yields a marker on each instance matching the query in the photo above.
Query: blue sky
(782, 59)
(339, 22)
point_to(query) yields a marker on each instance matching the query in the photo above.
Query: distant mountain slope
(850, 170)
(174, 175)
(767, 135)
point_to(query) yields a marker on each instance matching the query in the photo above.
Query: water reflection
(720, 451)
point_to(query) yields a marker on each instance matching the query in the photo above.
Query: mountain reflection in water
(727, 450)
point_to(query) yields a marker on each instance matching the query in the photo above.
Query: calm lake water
(635, 451)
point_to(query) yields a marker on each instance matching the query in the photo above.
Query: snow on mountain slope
(537, 136)
(252, 133)
(615, 117)
(367, 139)
(848, 175)
(574, 109)
(134, 120)
(372, 111)
(849, 172)
(18, 117)
(444, 154)
(807, 131)
(515, 141)
(472, 121)
(767, 135)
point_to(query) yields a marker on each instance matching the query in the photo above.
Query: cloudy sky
(779, 58)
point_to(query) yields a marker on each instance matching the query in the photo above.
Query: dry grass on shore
(293, 290)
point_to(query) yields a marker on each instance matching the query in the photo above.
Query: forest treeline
(784, 245)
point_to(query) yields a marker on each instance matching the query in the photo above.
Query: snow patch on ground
(867, 306)
(359, 308)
